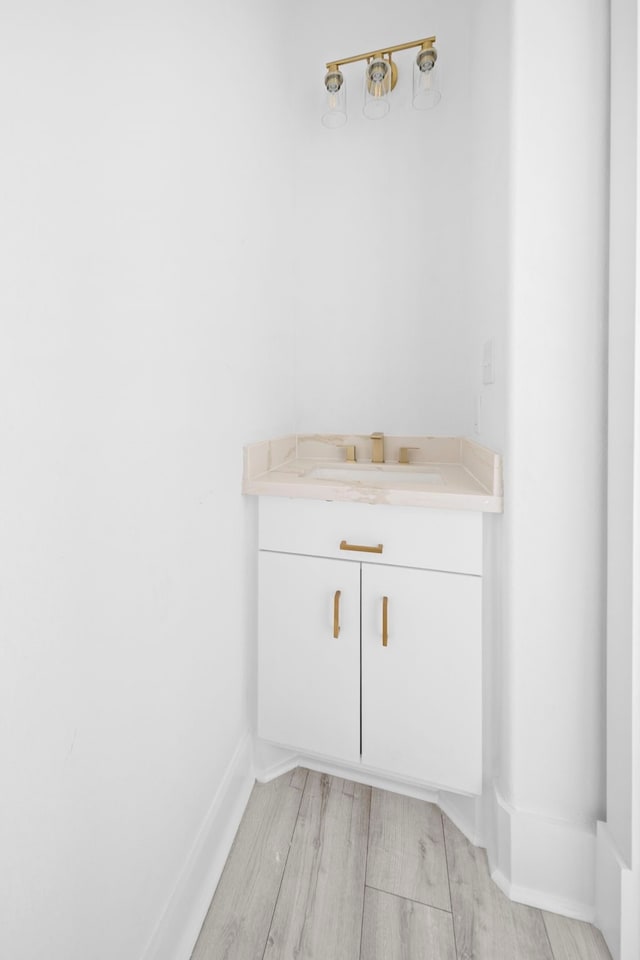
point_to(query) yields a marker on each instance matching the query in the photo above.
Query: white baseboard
(543, 900)
(465, 812)
(284, 760)
(630, 915)
(180, 924)
(617, 899)
(610, 869)
(545, 863)
(270, 761)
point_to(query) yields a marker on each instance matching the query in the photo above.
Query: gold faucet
(377, 448)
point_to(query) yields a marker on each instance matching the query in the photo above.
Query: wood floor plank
(488, 926)
(406, 849)
(394, 928)
(299, 777)
(237, 924)
(318, 915)
(574, 940)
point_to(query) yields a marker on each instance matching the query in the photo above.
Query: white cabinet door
(309, 680)
(421, 694)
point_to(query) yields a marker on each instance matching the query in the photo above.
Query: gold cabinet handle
(385, 621)
(360, 549)
(336, 615)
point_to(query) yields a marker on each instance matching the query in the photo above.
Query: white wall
(382, 238)
(556, 413)
(146, 333)
(621, 424)
(489, 283)
(489, 221)
(619, 838)
(552, 776)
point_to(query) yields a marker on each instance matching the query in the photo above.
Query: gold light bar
(381, 51)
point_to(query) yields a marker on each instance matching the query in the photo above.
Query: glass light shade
(426, 80)
(335, 113)
(377, 87)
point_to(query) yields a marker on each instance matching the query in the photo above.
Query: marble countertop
(448, 472)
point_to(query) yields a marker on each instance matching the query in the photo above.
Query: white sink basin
(382, 475)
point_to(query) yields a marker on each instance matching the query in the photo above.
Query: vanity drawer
(449, 540)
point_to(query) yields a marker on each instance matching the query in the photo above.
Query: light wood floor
(327, 869)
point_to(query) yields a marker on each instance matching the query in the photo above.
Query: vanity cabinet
(398, 689)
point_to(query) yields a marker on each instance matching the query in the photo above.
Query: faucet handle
(404, 454)
(377, 448)
(351, 451)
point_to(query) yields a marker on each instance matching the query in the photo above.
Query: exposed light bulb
(426, 86)
(335, 114)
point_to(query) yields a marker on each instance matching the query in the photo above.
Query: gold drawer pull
(385, 621)
(336, 615)
(356, 546)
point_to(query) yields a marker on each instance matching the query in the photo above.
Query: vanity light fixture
(380, 78)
